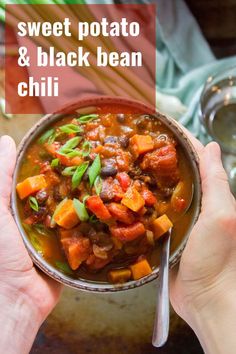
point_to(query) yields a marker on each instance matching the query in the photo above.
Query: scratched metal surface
(85, 323)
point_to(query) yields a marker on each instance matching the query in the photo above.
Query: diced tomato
(52, 148)
(124, 180)
(91, 126)
(76, 161)
(45, 167)
(123, 160)
(128, 233)
(179, 204)
(121, 213)
(52, 178)
(117, 191)
(77, 250)
(64, 160)
(164, 163)
(107, 119)
(93, 134)
(148, 197)
(95, 263)
(98, 149)
(96, 206)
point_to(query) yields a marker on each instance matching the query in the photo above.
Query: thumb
(7, 164)
(215, 186)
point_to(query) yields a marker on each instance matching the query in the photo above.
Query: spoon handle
(161, 325)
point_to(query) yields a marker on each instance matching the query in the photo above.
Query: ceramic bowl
(87, 106)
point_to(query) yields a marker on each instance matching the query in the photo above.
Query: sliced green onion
(52, 138)
(98, 185)
(85, 198)
(70, 144)
(69, 171)
(94, 170)
(86, 148)
(3, 109)
(55, 162)
(77, 176)
(41, 229)
(46, 136)
(87, 118)
(64, 267)
(34, 238)
(73, 153)
(80, 210)
(36, 243)
(71, 128)
(33, 203)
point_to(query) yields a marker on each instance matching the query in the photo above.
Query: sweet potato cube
(77, 250)
(140, 269)
(66, 216)
(30, 186)
(119, 276)
(161, 225)
(142, 143)
(133, 199)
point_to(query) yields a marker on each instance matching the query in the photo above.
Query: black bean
(120, 117)
(40, 214)
(107, 171)
(41, 196)
(143, 121)
(124, 141)
(107, 193)
(167, 192)
(110, 140)
(150, 211)
(56, 194)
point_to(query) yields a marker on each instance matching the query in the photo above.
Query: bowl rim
(38, 260)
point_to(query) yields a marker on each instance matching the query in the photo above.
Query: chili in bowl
(97, 186)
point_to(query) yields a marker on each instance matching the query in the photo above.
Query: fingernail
(213, 152)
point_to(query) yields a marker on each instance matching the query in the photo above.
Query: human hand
(26, 295)
(203, 289)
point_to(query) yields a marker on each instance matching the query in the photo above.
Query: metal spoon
(161, 324)
(162, 317)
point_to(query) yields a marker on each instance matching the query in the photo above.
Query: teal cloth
(184, 62)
